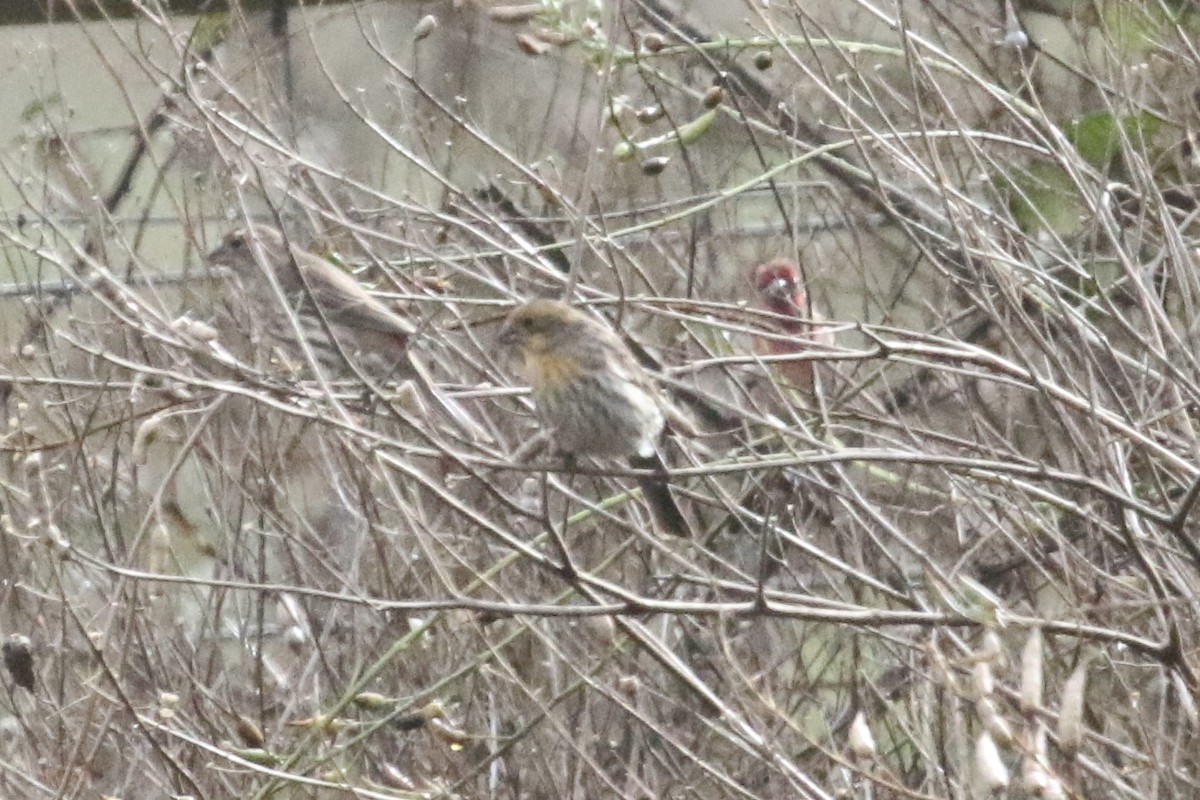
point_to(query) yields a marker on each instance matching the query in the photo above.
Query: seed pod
(32, 463)
(982, 679)
(196, 329)
(395, 779)
(991, 649)
(652, 42)
(989, 765)
(532, 45)
(424, 27)
(686, 134)
(619, 112)
(648, 114)
(335, 775)
(146, 435)
(454, 737)
(409, 399)
(1037, 747)
(373, 700)
(691, 131)
(993, 723)
(421, 717)
(1036, 776)
(330, 726)
(862, 743)
(941, 668)
(654, 166)
(713, 97)
(1187, 703)
(1052, 790)
(555, 38)
(256, 755)
(295, 637)
(249, 732)
(410, 722)
(1070, 710)
(18, 660)
(1031, 672)
(515, 13)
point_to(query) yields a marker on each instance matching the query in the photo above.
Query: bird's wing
(340, 294)
(623, 359)
(627, 365)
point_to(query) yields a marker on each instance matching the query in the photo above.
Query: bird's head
(540, 326)
(777, 281)
(551, 338)
(243, 249)
(778, 284)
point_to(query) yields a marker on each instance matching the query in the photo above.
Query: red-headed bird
(781, 291)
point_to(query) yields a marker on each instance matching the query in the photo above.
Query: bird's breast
(598, 413)
(551, 372)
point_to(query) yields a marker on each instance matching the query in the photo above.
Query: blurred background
(942, 499)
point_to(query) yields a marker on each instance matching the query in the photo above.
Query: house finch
(781, 292)
(592, 396)
(336, 317)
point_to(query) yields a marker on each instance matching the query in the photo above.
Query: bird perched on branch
(593, 397)
(320, 313)
(781, 291)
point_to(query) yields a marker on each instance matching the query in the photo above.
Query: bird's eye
(237, 243)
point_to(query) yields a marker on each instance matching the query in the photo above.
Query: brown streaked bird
(319, 299)
(781, 291)
(592, 396)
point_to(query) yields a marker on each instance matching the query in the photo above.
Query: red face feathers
(778, 283)
(781, 291)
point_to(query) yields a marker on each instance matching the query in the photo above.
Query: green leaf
(1043, 197)
(685, 134)
(209, 31)
(1097, 137)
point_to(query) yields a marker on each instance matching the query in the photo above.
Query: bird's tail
(656, 488)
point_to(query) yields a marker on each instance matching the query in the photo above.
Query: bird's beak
(216, 261)
(507, 337)
(781, 289)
